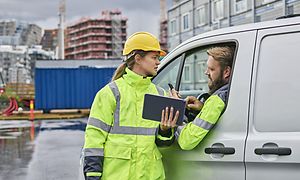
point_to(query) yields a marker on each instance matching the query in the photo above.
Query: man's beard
(216, 84)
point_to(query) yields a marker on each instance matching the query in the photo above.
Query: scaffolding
(116, 34)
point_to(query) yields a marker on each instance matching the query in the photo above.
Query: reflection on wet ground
(38, 150)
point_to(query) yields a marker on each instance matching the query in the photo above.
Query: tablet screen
(154, 104)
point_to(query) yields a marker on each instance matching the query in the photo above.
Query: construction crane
(61, 44)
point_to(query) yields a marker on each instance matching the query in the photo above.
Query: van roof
(245, 27)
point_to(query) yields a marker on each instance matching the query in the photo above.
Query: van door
(230, 131)
(273, 143)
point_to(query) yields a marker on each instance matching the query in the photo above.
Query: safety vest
(119, 143)
(191, 134)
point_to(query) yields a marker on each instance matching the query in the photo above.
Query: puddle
(35, 150)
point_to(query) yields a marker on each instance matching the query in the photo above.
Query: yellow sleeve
(191, 134)
(100, 119)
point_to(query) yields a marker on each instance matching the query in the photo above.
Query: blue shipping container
(69, 88)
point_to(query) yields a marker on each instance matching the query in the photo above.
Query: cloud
(30, 10)
(143, 15)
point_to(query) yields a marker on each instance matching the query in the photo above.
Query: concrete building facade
(187, 18)
(17, 63)
(99, 38)
(13, 32)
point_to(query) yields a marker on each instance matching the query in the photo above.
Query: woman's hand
(167, 120)
(193, 103)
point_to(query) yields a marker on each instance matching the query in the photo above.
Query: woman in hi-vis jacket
(119, 143)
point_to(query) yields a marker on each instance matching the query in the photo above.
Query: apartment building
(187, 18)
(14, 32)
(97, 38)
(17, 63)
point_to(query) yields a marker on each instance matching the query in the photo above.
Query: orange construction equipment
(31, 110)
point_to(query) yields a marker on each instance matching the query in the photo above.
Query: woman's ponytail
(119, 72)
(130, 61)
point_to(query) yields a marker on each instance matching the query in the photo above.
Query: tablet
(154, 104)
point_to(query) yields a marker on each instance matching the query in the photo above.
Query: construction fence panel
(21, 90)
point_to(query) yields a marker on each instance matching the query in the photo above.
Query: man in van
(219, 67)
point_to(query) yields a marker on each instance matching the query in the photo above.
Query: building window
(185, 22)
(240, 6)
(201, 16)
(267, 1)
(218, 10)
(173, 25)
(201, 68)
(187, 73)
(290, 10)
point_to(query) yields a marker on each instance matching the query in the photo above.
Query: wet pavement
(41, 150)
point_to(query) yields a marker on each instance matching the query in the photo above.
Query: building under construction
(49, 40)
(101, 38)
(163, 26)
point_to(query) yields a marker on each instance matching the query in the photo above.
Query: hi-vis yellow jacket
(119, 143)
(192, 133)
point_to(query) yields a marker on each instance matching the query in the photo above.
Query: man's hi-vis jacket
(192, 133)
(119, 143)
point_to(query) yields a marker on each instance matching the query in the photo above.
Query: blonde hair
(222, 54)
(129, 62)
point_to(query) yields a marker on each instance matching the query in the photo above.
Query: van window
(277, 88)
(194, 80)
(168, 74)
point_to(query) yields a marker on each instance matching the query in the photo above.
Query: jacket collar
(223, 88)
(135, 79)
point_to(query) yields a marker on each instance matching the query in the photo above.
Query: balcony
(90, 34)
(102, 26)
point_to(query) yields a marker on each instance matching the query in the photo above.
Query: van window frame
(183, 56)
(178, 76)
(206, 46)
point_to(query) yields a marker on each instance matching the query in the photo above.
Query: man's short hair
(222, 54)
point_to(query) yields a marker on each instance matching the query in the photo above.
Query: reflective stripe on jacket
(191, 134)
(117, 131)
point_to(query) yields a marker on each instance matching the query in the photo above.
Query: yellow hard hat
(142, 41)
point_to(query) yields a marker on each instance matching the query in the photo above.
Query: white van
(258, 136)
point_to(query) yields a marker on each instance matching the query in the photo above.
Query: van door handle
(220, 150)
(281, 151)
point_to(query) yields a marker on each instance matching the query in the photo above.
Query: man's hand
(174, 94)
(167, 120)
(193, 103)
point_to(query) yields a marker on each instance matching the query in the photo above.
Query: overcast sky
(143, 15)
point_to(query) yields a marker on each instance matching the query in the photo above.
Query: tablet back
(154, 104)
